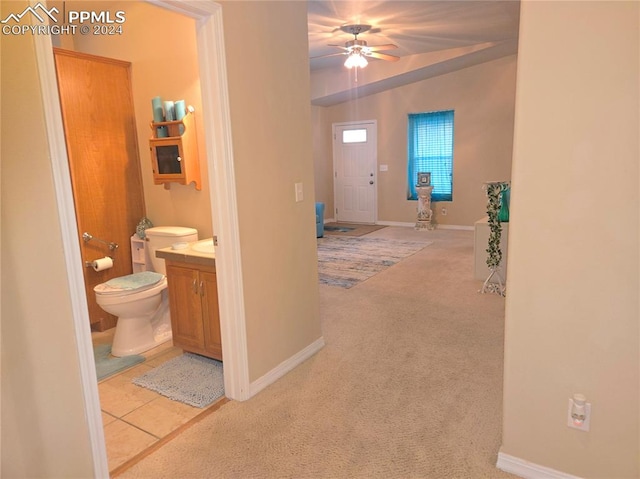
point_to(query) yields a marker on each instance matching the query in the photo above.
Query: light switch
(384, 167)
(299, 192)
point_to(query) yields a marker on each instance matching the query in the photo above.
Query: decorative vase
(505, 198)
(142, 226)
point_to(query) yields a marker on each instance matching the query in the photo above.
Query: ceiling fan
(357, 51)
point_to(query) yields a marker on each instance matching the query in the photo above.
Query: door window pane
(354, 136)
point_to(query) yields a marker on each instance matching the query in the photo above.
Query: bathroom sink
(205, 246)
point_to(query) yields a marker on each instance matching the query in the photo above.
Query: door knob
(371, 182)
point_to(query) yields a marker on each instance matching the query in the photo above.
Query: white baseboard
(412, 225)
(529, 470)
(284, 367)
(438, 226)
(395, 223)
(454, 227)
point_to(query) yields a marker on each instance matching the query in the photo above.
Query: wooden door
(102, 145)
(186, 308)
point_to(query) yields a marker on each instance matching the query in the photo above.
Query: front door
(355, 162)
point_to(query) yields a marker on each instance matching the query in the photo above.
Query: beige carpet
(409, 385)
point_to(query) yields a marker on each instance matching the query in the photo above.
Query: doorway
(355, 159)
(219, 155)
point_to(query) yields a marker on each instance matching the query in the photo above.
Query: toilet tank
(163, 237)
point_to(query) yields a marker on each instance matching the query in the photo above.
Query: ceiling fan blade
(383, 56)
(377, 48)
(329, 55)
(338, 46)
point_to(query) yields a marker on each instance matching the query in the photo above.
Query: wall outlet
(582, 425)
(443, 211)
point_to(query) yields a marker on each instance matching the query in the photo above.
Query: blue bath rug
(107, 365)
(190, 378)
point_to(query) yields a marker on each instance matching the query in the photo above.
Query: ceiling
(433, 37)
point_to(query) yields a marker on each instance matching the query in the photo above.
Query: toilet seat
(129, 284)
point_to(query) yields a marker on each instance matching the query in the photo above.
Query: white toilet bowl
(143, 315)
(141, 300)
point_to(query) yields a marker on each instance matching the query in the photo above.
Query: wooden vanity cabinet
(193, 301)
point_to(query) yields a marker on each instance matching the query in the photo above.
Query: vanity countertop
(198, 252)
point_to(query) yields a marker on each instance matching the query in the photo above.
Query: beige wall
(44, 428)
(322, 159)
(483, 99)
(572, 316)
(168, 68)
(271, 128)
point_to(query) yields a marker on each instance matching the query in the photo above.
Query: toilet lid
(131, 283)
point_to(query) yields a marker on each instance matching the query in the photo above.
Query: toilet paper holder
(90, 264)
(87, 237)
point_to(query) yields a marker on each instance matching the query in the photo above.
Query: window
(430, 147)
(354, 136)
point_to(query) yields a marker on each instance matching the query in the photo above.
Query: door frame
(334, 127)
(219, 155)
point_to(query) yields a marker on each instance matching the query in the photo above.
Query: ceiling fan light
(356, 59)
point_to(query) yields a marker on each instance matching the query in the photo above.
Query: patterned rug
(346, 261)
(189, 378)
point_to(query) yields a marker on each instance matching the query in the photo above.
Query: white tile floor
(135, 418)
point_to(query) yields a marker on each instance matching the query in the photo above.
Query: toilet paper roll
(156, 105)
(102, 264)
(181, 110)
(169, 111)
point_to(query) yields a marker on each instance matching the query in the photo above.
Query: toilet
(140, 300)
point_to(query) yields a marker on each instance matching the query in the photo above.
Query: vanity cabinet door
(186, 307)
(193, 301)
(210, 314)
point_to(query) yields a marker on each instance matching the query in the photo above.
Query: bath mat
(338, 229)
(346, 261)
(350, 229)
(107, 365)
(189, 378)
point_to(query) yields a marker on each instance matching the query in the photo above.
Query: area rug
(346, 261)
(350, 229)
(107, 365)
(190, 378)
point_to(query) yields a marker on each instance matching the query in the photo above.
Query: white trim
(529, 470)
(71, 250)
(217, 124)
(438, 226)
(286, 366)
(454, 227)
(395, 223)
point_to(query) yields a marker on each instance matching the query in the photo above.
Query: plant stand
(424, 208)
(494, 191)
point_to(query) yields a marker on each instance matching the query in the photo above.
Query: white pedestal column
(424, 208)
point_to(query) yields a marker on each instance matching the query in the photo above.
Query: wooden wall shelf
(174, 157)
